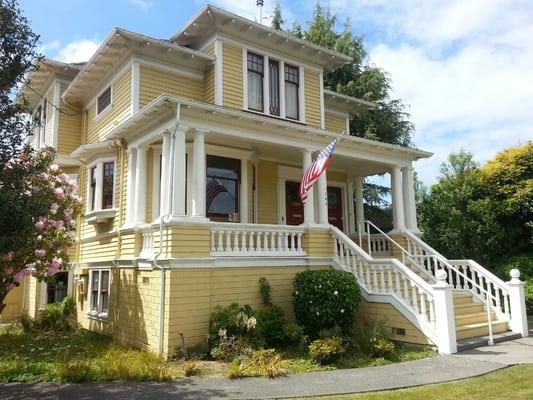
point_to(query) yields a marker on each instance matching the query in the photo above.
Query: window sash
(92, 191)
(255, 82)
(103, 101)
(273, 74)
(99, 302)
(292, 88)
(107, 184)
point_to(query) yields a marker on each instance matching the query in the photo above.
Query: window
(57, 289)
(107, 189)
(99, 292)
(273, 75)
(92, 189)
(222, 191)
(292, 82)
(255, 82)
(103, 101)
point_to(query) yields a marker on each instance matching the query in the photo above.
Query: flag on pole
(317, 168)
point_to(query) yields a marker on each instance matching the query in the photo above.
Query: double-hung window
(292, 84)
(255, 82)
(99, 293)
(101, 186)
(108, 185)
(103, 101)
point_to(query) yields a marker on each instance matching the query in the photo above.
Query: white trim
(113, 77)
(98, 314)
(243, 188)
(170, 68)
(301, 94)
(156, 181)
(56, 101)
(282, 110)
(348, 126)
(219, 77)
(99, 162)
(135, 86)
(245, 78)
(266, 85)
(322, 108)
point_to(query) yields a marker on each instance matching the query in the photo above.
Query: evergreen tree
(277, 19)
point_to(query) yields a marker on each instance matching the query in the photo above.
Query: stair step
(480, 329)
(463, 299)
(478, 341)
(468, 308)
(474, 318)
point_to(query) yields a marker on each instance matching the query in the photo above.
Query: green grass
(513, 383)
(79, 356)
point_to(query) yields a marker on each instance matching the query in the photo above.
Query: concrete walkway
(414, 373)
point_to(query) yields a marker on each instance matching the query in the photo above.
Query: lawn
(514, 383)
(83, 356)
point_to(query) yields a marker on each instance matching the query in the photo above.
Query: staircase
(481, 301)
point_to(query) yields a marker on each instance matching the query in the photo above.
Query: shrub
(324, 299)
(190, 368)
(372, 340)
(270, 324)
(524, 263)
(294, 334)
(266, 291)
(258, 363)
(234, 321)
(325, 351)
(226, 349)
(56, 316)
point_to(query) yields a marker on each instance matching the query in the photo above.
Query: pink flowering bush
(38, 210)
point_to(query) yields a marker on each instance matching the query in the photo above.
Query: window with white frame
(101, 185)
(99, 293)
(103, 101)
(292, 84)
(255, 82)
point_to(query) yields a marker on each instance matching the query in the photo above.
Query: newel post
(518, 322)
(444, 315)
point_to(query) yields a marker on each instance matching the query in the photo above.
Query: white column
(165, 175)
(409, 199)
(130, 201)
(140, 185)
(156, 181)
(243, 200)
(323, 199)
(179, 176)
(309, 207)
(351, 208)
(198, 175)
(397, 199)
(444, 315)
(518, 322)
(359, 204)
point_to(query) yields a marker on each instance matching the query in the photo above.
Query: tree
(17, 54)
(38, 205)
(277, 19)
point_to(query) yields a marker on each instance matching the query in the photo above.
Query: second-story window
(107, 187)
(292, 83)
(255, 82)
(92, 188)
(273, 75)
(103, 101)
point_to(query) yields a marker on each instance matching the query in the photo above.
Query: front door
(294, 207)
(335, 207)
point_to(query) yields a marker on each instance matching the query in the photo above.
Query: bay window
(292, 83)
(101, 191)
(99, 293)
(255, 81)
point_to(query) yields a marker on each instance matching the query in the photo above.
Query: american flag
(317, 168)
(213, 189)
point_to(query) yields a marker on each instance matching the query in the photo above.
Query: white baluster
(431, 311)
(405, 289)
(414, 297)
(292, 243)
(299, 237)
(220, 244)
(278, 245)
(212, 240)
(397, 279)
(390, 285)
(382, 276)
(423, 304)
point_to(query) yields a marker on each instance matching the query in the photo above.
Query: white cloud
(141, 4)
(77, 51)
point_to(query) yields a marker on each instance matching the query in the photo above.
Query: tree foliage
(484, 212)
(277, 19)
(389, 122)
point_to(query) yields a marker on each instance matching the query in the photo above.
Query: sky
(464, 67)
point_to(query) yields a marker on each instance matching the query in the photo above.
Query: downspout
(161, 222)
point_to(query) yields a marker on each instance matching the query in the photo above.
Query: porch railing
(229, 239)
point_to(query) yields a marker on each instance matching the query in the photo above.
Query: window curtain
(291, 100)
(255, 91)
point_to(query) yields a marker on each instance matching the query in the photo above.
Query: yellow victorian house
(188, 153)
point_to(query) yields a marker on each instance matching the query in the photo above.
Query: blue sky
(465, 67)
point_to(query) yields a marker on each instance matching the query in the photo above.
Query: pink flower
(54, 167)
(21, 274)
(8, 256)
(67, 213)
(59, 224)
(64, 177)
(40, 253)
(53, 208)
(57, 262)
(59, 193)
(39, 225)
(52, 270)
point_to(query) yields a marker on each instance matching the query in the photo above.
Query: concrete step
(479, 329)
(478, 341)
(474, 318)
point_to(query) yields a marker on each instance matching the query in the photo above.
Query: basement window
(398, 331)
(103, 101)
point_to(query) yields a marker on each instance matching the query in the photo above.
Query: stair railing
(463, 275)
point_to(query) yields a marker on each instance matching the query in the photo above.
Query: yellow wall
(210, 77)
(232, 76)
(98, 126)
(154, 82)
(312, 98)
(267, 189)
(69, 133)
(334, 123)
(13, 305)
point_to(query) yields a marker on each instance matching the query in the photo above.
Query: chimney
(260, 4)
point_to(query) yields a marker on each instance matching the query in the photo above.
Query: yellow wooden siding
(312, 98)
(336, 176)
(13, 305)
(232, 76)
(335, 123)
(267, 192)
(210, 77)
(100, 249)
(391, 318)
(318, 243)
(98, 126)
(154, 82)
(69, 135)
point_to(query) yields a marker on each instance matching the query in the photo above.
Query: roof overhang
(348, 104)
(116, 48)
(210, 20)
(87, 151)
(46, 70)
(165, 106)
